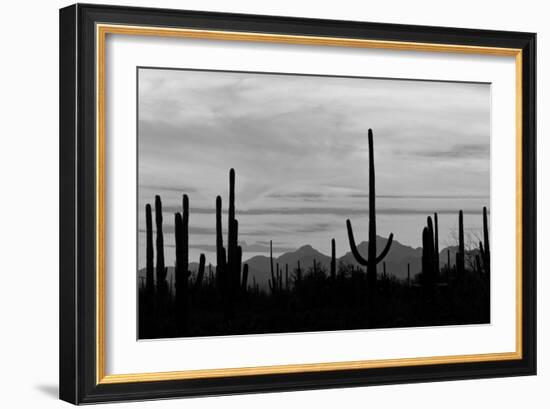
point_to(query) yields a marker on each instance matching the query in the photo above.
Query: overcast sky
(299, 148)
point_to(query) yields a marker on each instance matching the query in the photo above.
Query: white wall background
(29, 205)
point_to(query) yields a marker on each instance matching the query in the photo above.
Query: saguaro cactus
(150, 264)
(161, 269)
(245, 278)
(333, 260)
(229, 262)
(273, 280)
(220, 251)
(428, 258)
(484, 247)
(372, 259)
(182, 272)
(436, 247)
(200, 273)
(460, 255)
(287, 285)
(185, 236)
(232, 236)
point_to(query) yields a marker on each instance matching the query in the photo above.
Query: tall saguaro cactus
(333, 260)
(182, 264)
(220, 251)
(428, 256)
(460, 255)
(484, 247)
(232, 235)
(161, 268)
(436, 246)
(372, 259)
(273, 280)
(150, 264)
(182, 275)
(229, 263)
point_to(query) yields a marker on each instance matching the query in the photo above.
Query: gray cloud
(158, 189)
(251, 248)
(296, 195)
(339, 211)
(458, 151)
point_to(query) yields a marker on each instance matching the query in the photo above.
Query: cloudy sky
(298, 145)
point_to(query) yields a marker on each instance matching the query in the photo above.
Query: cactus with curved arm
(372, 259)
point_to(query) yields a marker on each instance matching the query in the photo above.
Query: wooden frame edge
(103, 29)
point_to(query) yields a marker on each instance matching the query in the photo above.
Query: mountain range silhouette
(396, 261)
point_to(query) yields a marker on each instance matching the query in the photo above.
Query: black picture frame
(78, 236)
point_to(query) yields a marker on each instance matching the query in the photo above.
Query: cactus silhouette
(150, 263)
(245, 278)
(372, 259)
(273, 281)
(484, 247)
(460, 255)
(436, 247)
(229, 262)
(182, 273)
(200, 273)
(333, 260)
(428, 257)
(477, 265)
(161, 269)
(182, 270)
(286, 278)
(233, 270)
(220, 251)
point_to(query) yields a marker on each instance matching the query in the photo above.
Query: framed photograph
(257, 203)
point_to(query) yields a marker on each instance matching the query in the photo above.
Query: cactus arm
(386, 249)
(353, 247)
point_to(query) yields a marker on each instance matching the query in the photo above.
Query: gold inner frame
(101, 33)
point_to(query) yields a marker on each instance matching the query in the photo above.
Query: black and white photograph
(278, 198)
(281, 203)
